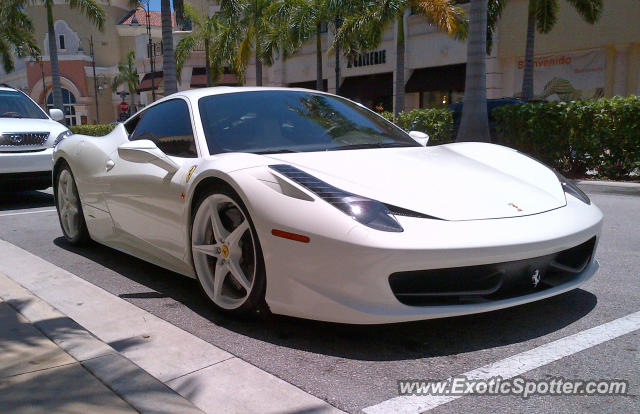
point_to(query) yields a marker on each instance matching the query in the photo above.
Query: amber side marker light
(291, 236)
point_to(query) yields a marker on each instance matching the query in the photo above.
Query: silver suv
(27, 138)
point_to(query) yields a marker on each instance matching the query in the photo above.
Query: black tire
(255, 305)
(82, 237)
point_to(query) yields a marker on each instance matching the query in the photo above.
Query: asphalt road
(356, 367)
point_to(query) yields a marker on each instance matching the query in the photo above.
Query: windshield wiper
(275, 151)
(372, 145)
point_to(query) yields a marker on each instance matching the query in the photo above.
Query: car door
(144, 199)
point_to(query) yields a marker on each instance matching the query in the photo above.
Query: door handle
(109, 165)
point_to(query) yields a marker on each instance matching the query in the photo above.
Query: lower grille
(482, 283)
(23, 139)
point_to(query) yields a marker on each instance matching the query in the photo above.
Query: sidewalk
(49, 364)
(609, 187)
(149, 363)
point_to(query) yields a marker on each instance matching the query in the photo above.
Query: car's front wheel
(69, 208)
(226, 253)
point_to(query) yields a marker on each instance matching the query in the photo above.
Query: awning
(440, 78)
(199, 78)
(368, 86)
(145, 83)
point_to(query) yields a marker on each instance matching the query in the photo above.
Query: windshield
(293, 121)
(14, 104)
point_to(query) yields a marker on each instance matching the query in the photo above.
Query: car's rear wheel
(226, 253)
(69, 208)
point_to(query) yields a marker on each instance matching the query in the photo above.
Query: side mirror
(56, 114)
(145, 151)
(421, 137)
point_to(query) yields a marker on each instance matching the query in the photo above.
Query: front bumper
(28, 161)
(342, 274)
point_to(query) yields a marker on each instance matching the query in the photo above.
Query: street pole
(150, 53)
(44, 86)
(95, 80)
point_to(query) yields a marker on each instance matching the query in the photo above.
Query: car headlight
(364, 210)
(62, 136)
(569, 187)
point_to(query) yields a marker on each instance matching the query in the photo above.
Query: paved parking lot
(354, 368)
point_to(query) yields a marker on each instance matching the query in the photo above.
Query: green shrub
(92, 130)
(438, 123)
(574, 137)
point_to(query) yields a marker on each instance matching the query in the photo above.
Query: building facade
(574, 61)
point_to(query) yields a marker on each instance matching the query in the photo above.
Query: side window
(168, 124)
(131, 124)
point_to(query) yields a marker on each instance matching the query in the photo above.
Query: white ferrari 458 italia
(310, 205)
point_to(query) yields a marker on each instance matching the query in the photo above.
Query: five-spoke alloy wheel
(69, 208)
(226, 253)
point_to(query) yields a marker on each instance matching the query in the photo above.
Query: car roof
(196, 94)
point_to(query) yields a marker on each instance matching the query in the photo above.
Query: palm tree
(205, 32)
(366, 28)
(168, 60)
(88, 8)
(542, 16)
(127, 75)
(300, 20)
(247, 26)
(474, 124)
(16, 34)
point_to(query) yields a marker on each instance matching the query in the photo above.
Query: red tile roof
(141, 16)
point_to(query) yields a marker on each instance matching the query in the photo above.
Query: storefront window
(439, 99)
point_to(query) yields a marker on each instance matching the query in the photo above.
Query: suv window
(14, 104)
(168, 124)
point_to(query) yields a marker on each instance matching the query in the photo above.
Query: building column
(276, 72)
(633, 74)
(621, 70)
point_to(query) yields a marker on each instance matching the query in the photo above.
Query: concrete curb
(143, 392)
(609, 187)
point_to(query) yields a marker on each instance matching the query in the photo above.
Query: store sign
(378, 57)
(566, 76)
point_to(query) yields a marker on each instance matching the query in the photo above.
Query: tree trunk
(337, 24)
(55, 66)
(168, 60)
(132, 107)
(207, 63)
(399, 104)
(527, 78)
(474, 125)
(319, 80)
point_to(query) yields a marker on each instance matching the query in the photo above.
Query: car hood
(466, 181)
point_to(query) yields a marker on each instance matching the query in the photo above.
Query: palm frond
(546, 15)
(91, 10)
(183, 51)
(590, 10)
(494, 12)
(444, 14)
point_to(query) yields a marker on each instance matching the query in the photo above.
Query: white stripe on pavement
(517, 364)
(27, 212)
(187, 364)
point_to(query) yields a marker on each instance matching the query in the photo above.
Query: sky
(155, 5)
